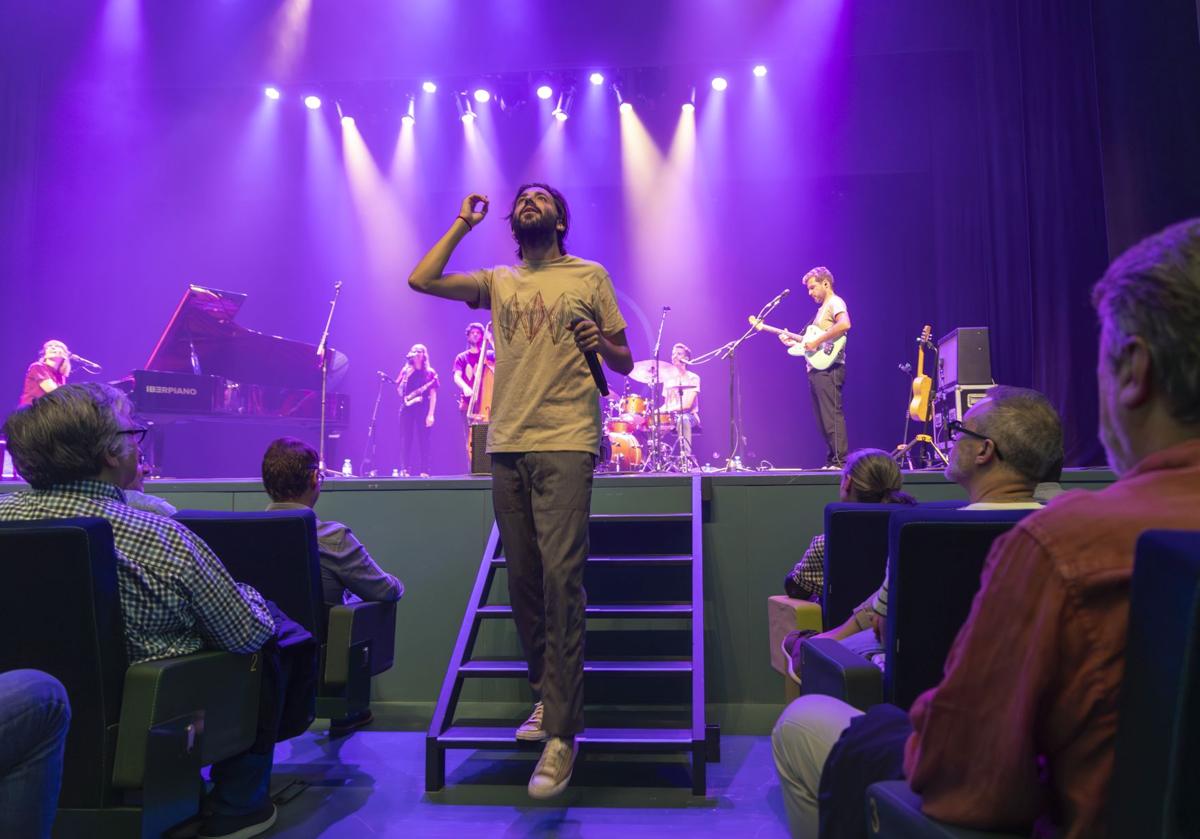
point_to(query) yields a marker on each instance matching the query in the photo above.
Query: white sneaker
(554, 767)
(532, 729)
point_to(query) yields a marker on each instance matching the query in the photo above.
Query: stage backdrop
(943, 159)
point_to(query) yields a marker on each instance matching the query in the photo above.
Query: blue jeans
(34, 718)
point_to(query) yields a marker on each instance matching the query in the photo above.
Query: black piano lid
(204, 321)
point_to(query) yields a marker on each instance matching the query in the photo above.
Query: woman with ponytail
(870, 476)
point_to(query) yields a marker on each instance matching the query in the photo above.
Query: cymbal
(643, 371)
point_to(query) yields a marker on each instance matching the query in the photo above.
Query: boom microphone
(593, 364)
(85, 362)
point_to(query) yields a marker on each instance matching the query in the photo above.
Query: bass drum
(626, 452)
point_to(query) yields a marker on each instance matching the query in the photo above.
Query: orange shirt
(1021, 728)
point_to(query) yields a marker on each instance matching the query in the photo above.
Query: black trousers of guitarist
(825, 386)
(414, 439)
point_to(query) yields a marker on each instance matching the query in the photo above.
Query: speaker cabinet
(964, 358)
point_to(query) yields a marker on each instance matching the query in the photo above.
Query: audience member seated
(77, 446)
(292, 477)
(1050, 486)
(1008, 443)
(34, 718)
(1019, 734)
(137, 497)
(870, 476)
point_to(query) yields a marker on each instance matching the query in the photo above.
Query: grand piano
(217, 392)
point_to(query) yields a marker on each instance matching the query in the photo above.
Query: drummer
(681, 396)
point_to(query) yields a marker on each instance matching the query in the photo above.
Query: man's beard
(536, 234)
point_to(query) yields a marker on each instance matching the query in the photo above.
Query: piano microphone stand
(323, 352)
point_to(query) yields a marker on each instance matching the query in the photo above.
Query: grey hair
(66, 434)
(1152, 291)
(1026, 430)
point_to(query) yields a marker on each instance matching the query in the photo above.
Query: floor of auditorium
(372, 783)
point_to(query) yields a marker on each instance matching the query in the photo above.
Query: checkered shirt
(176, 596)
(807, 579)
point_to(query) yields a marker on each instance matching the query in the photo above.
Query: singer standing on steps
(544, 437)
(49, 372)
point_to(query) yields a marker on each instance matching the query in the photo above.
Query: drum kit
(641, 435)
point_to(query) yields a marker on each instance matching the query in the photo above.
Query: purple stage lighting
(482, 96)
(408, 119)
(429, 87)
(688, 107)
(272, 93)
(544, 92)
(468, 117)
(560, 115)
(312, 102)
(760, 70)
(626, 108)
(347, 122)
(596, 78)
(719, 83)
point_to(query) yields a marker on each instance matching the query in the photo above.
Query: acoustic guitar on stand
(822, 358)
(918, 406)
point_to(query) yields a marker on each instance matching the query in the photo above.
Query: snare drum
(626, 451)
(618, 426)
(663, 420)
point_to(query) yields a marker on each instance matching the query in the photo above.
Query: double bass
(479, 406)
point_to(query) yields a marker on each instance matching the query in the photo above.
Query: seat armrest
(828, 668)
(221, 688)
(894, 811)
(350, 627)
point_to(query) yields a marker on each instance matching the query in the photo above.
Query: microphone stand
(734, 462)
(652, 462)
(323, 353)
(367, 467)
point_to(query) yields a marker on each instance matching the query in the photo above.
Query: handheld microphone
(593, 364)
(85, 362)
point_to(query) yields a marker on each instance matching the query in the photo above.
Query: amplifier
(481, 461)
(964, 358)
(949, 405)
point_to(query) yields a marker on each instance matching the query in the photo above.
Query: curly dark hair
(287, 468)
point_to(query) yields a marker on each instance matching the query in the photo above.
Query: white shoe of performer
(554, 767)
(532, 729)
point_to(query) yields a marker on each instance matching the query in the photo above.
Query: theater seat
(935, 560)
(1152, 793)
(276, 552)
(139, 735)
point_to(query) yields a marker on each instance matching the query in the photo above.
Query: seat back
(1158, 735)
(60, 612)
(275, 552)
(934, 566)
(856, 545)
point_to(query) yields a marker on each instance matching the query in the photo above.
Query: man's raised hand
(468, 210)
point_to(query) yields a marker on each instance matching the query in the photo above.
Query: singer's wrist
(464, 220)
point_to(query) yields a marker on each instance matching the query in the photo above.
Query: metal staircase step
(481, 737)
(510, 668)
(621, 518)
(633, 559)
(639, 610)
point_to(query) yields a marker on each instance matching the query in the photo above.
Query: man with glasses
(1003, 448)
(77, 446)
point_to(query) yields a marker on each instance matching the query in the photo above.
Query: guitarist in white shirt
(833, 318)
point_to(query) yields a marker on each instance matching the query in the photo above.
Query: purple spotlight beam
(312, 102)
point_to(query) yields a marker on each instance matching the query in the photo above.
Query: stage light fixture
(429, 87)
(544, 92)
(312, 102)
(719, 83)
(688, 107)
(272, 92)
(347, 121)
(626, 108)
(760, 70)
(482, 96)
(596, 78)
(469, 117)
(562, 109)
(408, 119)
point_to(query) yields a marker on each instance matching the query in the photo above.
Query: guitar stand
(922, 444)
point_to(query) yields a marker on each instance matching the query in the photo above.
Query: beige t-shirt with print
(825, 318)
(544, 398)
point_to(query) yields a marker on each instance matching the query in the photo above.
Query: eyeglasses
(955, 428)
(138, 433)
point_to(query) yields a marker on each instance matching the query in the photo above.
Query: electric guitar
(821, 358)
(918, 406)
